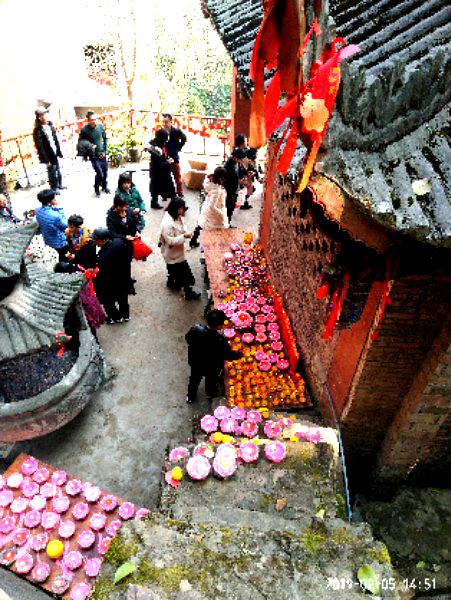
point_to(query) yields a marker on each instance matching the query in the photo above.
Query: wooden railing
(19, 159)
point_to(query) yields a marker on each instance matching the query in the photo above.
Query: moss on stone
(341, 506)
(342, 536)
(266, 500)
(120, 551)
(381, 555)
(228, 536)
(180, 526)
(167, 578)
(102, 590)
(312, 540)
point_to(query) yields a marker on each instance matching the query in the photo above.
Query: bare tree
(127, 42)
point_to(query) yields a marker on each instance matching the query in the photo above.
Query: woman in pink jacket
(213, 214)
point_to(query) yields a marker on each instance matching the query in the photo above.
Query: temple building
(372, 230)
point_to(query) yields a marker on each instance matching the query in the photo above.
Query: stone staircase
(271, 531)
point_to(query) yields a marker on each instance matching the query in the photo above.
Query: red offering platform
(40, 504)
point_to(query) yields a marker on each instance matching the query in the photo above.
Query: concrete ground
(119, 441)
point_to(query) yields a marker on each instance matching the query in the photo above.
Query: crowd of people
(106, 253)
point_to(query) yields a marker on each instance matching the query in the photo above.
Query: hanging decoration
(308, 106)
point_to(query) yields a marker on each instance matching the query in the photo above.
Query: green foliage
(312, 540)
(124, 570)
(369, 579)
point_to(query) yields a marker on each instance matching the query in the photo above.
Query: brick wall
(389, 365)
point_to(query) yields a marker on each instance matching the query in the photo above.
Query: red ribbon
(90, 274)
(337, 302)
(61, 339)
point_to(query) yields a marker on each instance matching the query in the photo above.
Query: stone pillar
(416, 427)
(240, 110)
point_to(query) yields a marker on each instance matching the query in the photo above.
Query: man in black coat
(113, 280)
(48, 148)
(233, 181)
(177, 139)
(207, 352)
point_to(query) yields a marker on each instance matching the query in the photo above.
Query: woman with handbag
(123, 223)
(173, 235)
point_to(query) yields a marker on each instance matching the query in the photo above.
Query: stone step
(181, 559)
(307, 481)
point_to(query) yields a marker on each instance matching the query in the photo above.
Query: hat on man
(46, 196)
(100, 233)
(41, 110)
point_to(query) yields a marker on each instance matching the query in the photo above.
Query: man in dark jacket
(113, 279)
(48, 148)
(94, 133)
(207, 352)
(233, 181)
(177, 139)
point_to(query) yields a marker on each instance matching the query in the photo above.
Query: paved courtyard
(119, 441)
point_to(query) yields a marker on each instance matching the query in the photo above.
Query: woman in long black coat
(161, 181)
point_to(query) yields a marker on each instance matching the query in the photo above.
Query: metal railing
(18, 157)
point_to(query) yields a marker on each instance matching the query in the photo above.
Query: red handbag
(141, 250)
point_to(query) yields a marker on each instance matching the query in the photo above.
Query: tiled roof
(392, 113)
(35, 310)
(14, 239)
(237, 22)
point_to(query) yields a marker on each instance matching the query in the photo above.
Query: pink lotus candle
(73, 487)
(273, 327)
(261, 356)
(272, 317)
(277, 346)
(41, 475)
(24, 563)
(224, 463)
(275, 451)
(243, 320)
(260, 318)
(29, 465)
(126, 510)
(238, 413)
(86, 539)
(8, 556)
(274, 336)
(227, 425)
(92, 493)
(114, 526)
(103, 545)
(273, 358)
(32, 519)
(229, 333)
(50, 520)
(179, 453)
(248, 452)
(283, 364)
(249, 429)
(108, 503)
(59, 477)
(21, 536)
(29, 488)
(203, 449)
(97, 521)
(209, 423)
(272, 429)
(92, 567)
(38, 502)
(80, 591)
(221, 412)
(142, 512)
(60, 584)
(61, 504)
(73, 560)
(49, 490)
(247, 338)
(198, 467)
(66, 529)
(40, 572)
(261, 338)
(39, 541)
(80, 511)
(19, 505)
(14, 481)
(7, 524)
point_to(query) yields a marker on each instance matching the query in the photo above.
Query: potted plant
(133, 146)
(116, 154)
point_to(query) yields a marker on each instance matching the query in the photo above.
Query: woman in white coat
(173, 235)
(213, 214)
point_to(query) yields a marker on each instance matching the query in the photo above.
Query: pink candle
(39, 541)
(19, 505)
(97, 521)
(66, 529)
(73, 560)
(38, 502)
(92, 567)
(50, 520)
(61, 504)
(108, 503)
(114, 527)
(32, 519)
(49, 490)
(60, 584)
(29, 466)
(41, 475)
(86, 539)
(21, 536)
(73, 487)
(24, 563)
(92, 493)
(40, 572)
(126, 510)
(14, 481)
(29, 488)
(80, 591)
(59, 477)
(80, 511)
(7, 524)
